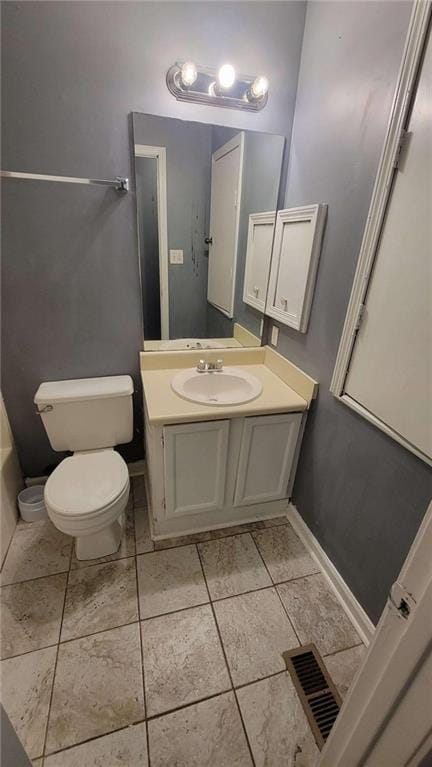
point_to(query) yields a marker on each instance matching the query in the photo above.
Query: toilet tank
(86, 413)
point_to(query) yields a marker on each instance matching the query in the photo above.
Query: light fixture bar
(209, 87)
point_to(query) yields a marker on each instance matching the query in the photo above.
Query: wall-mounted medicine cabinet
(258, 257)
(296, 251)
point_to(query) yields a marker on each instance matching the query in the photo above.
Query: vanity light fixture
(188, 74)
(226, 76)
(221, 87)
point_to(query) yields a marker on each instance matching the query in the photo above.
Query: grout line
(36, 578)
(95, 737)
(191, 703)
(142, 653)
(226, 662)
(215, 538)
(276, 590)
(261, 679)
(56, 660)
(344, 649)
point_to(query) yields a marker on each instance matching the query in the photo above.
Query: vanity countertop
(278, 396)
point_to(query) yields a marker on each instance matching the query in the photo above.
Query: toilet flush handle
(44, 409)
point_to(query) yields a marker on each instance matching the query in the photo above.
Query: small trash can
(31, 503)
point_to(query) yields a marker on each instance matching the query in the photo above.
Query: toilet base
(100, 544)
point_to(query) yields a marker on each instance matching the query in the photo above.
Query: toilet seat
(87, 484)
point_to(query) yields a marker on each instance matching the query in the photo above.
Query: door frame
(236, 141)
(391, 660)
(399, 116)
(158, 153)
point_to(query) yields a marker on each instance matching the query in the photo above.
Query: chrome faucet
(202, 366)
(210, 367)
(215, 367)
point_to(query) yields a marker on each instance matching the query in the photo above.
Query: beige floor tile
(207, 734)
(343, 667)
(26, 691)
(139, 492)
(182, 540)
(170, 580)
(100, 597)
(255, 632)
(208, 535)
(276, 725)
(143, 539)
(37, 549)
(232, 566)
(183, 659)
(126, 747)
(316, 614)
(126, 549)
(97, 687)
(31, 614)
(37, 762)
(284, 553)
(275, 521)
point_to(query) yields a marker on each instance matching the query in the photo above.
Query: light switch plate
(274, 335)
(176, 256)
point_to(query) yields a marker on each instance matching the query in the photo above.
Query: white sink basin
(231, 386)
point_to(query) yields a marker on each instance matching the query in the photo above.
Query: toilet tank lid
(83, 389)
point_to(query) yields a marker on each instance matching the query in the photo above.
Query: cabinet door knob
(208, 240)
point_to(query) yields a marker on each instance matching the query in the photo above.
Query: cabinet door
(297, 246)
(258, 255)
(266, 456)
(195, 467)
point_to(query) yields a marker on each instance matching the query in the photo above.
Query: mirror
(206, 206)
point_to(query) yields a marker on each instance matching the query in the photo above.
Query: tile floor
(166, 654)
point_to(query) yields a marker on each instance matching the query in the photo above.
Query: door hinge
(360, 316)
(401, 601)
(402, 140)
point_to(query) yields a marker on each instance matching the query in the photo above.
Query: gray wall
(362, 495)
(188, 159)
(72, 74)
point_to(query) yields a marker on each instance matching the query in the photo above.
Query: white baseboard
(352, 607)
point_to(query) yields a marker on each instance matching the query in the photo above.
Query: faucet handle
(202, 366)
(219, 365)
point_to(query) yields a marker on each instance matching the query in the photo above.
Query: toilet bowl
(86, 495)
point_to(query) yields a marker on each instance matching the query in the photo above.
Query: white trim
(383, 183)
(237, 141)
(256, 219)
(351, 606)
(314, 215)
(159, 154)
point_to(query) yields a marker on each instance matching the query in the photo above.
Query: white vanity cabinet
(210, 474)
(266, 458)
(195, 464)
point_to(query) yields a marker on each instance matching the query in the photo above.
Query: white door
(386, 718)
(390, 373)
(258, 256)
(195, 456)
(266, 457)
(227, 168)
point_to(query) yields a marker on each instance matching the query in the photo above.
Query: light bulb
(188, 73)
(226, 76)
(259, 87)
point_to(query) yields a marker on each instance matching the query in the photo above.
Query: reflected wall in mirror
(199, 188)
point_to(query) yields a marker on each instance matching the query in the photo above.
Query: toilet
(87, 493)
